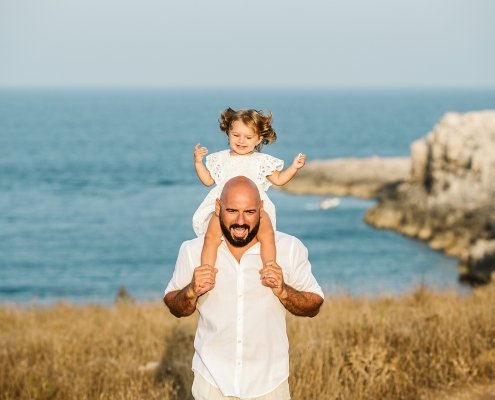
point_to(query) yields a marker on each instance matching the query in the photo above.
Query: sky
(254, 44)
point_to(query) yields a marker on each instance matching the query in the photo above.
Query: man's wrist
(283, 296)
(190, 293)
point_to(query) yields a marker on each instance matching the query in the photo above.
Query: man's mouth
(239, 235)
(239, 231)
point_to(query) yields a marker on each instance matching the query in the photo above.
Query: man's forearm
(181, 303)
(302, 304)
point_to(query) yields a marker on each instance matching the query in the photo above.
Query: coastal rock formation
(449, 200)
(365, 178)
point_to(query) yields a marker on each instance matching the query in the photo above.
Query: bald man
(241, 345)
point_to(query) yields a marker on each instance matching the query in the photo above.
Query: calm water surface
(97, 188)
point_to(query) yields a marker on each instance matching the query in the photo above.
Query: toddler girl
(247, 131)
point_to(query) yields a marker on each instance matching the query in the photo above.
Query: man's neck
(238, 252)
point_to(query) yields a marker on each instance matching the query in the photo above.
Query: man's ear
(261, 208)
(217, 207)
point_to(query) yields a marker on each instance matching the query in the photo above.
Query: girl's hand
(299, 161)
(199, 153)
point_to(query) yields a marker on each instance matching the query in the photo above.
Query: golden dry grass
(419, 346)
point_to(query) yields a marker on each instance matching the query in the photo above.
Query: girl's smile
(242, 139)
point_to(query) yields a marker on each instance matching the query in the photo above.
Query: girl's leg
(266, 237)
(212, 242)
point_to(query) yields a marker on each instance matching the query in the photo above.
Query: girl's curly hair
(259, 122)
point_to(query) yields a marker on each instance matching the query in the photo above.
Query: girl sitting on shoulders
(248, 131)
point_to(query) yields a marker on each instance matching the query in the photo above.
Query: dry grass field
(425, 345)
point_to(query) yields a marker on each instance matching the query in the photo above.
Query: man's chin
(238, 242)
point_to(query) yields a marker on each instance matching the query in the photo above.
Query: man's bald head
(239, 209)
(240, 186)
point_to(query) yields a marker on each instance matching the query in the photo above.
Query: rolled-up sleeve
(184, 270)
(301, 278)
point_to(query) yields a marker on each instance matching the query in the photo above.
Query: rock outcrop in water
(444, 194)
(365, 178)
(449, 200)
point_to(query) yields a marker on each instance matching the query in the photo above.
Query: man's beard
(238, 242)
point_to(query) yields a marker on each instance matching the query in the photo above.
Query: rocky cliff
(449, 199)
(366, 177)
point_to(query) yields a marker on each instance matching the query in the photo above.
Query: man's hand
(271, 276)
(303, 304)
(182, 303)
(203, 279)
(199, 153)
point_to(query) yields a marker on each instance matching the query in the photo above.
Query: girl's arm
(281, 178)
(203, 174)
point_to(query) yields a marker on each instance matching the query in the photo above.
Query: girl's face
(242, 139)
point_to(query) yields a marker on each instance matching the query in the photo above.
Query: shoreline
(442, 195)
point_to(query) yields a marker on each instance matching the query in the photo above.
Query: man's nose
(240, 219)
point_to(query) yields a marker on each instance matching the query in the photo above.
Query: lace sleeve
(214, 165)
(268, 165)
(271, 164)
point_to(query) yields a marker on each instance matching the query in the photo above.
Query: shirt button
(238, 341)
(238, 363)
(240, 295)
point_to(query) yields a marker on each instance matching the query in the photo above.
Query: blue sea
(98, 188)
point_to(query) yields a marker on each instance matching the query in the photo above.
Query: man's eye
(249, 137)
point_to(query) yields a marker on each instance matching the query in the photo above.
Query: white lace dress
(222, 167)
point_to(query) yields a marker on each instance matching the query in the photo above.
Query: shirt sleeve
(184, 270)
(301, 277)
(214, 165)
(271, 164)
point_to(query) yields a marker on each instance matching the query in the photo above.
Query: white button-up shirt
(241, 343)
